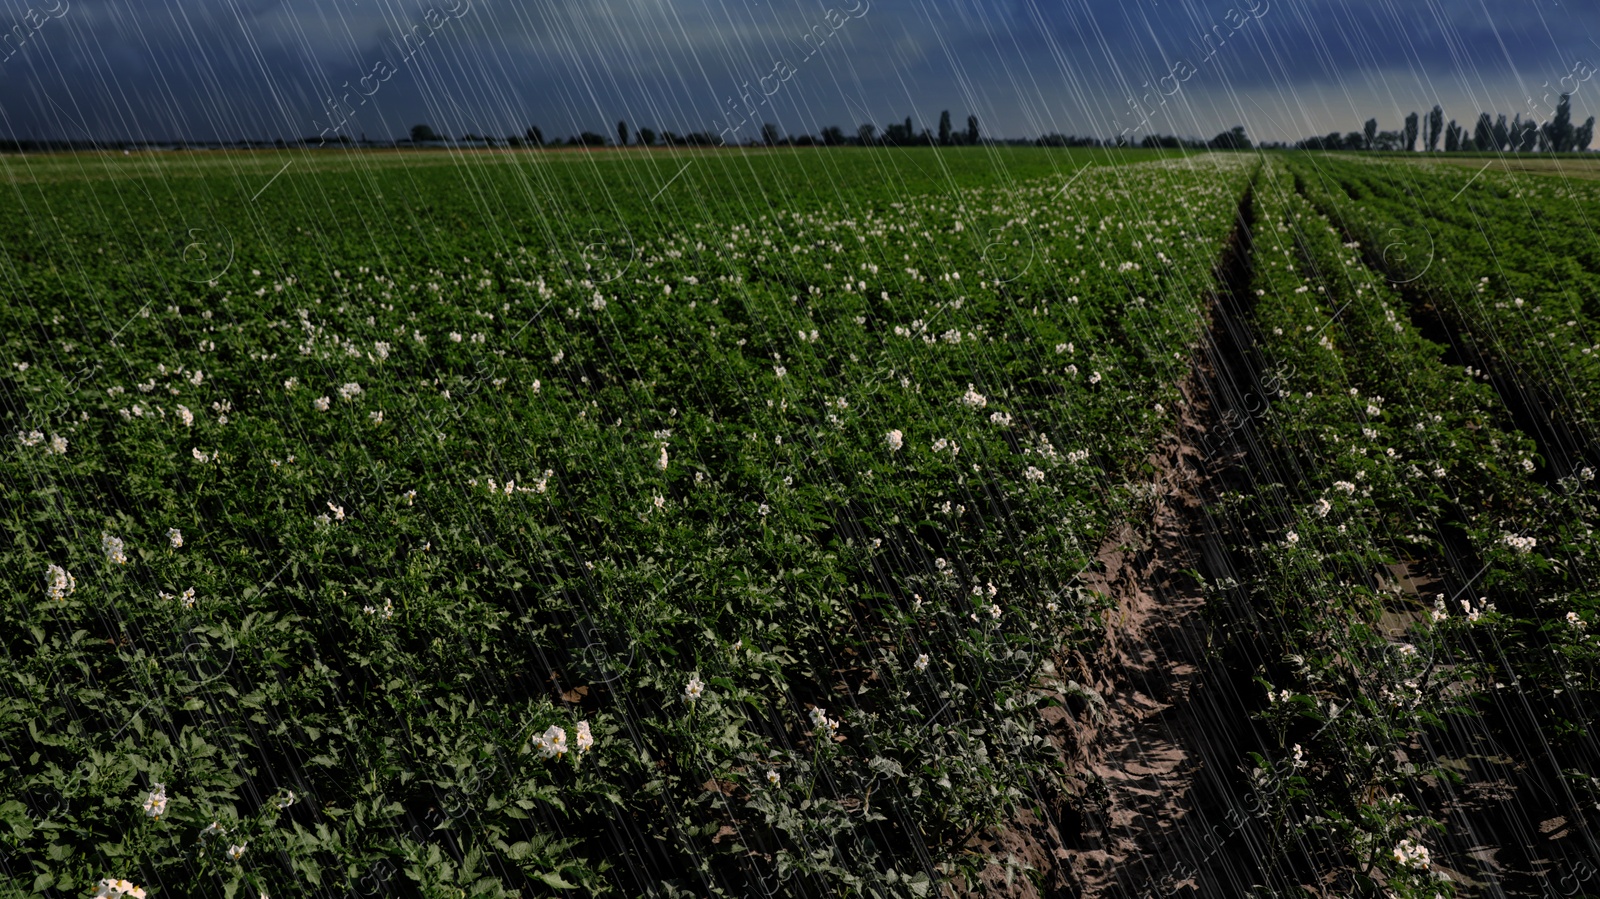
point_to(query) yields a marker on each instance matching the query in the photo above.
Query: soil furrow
(1173, 823)
(1149, 731)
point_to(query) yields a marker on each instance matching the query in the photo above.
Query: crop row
(1403, 572)
(1506, 266)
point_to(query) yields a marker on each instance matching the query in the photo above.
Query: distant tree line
(1519, 135)
(902, 134)
(896, 134)
(1232, 139)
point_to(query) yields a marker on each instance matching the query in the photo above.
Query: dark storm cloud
(290, 68)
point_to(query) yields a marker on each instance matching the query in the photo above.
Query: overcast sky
(1284, 69)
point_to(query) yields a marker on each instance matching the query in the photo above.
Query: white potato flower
(821, 721)
(1412, 855)
(58, 583)
(108, 888)
(1520, 544)
(552, 742)
(155, 805)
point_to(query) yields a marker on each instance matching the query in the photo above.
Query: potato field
(798, 522)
